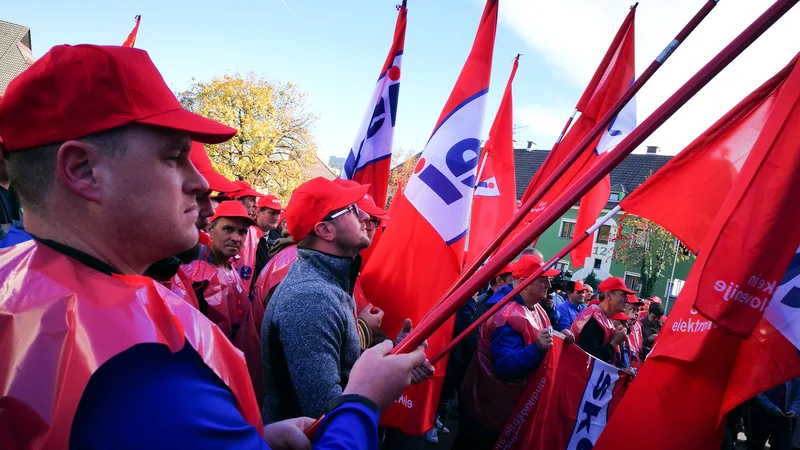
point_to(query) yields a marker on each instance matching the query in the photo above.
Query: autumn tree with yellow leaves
(273, 146)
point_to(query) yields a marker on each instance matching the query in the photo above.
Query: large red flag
(370, 156)
(495, 195)
(131, 40)
(421, 251)
(710, 164)
(698, 371)
(566, 403)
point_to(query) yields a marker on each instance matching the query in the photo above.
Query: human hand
(288, 434)
(619, 335)
(544, 340)
(569, 337)
(372, 316)
(382, 377)
(404, 332)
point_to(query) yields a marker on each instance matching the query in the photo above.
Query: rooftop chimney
(653, 149)
(531, 145)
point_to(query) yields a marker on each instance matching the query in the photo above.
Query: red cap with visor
(315, 199)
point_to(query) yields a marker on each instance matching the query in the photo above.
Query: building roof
(626, 177)
(318, 169)
(15, 52)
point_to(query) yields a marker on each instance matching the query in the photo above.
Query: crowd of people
(140, 276)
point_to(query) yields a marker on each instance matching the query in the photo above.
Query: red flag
(567, 402)
(421, 251)
(495, 194)
(370, 157)
(710, 164)
(131, 40)
(698, 371)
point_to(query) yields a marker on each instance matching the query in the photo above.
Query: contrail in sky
(289, 8)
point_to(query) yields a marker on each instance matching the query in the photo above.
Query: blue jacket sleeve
(464, 316)
(351, 425)
(768, 405)
(512, 359)
(564, 319)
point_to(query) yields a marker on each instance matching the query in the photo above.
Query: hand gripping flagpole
(584, 183)
(525, 283)
(598, 129)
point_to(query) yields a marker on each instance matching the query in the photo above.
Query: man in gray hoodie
(309, 339)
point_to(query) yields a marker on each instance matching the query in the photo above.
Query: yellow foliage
(274, 143)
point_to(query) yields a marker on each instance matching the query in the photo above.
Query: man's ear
(76, 164)
(325, 231)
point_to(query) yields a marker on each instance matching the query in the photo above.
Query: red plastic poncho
(246, 262)
(596, 313)
(61, 320)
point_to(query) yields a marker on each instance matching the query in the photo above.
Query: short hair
(656, 308)
(32, 171)
(602, 296)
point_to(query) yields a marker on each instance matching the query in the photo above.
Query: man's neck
(220, 258)
(606, 307)
(575, 302)
(5, 184)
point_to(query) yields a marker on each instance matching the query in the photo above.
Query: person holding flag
(511, 347)
(576, 302)
(593, 329)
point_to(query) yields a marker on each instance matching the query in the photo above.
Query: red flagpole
(584, 144)
(450, 305)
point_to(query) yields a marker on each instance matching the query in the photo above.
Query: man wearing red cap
(246, 261)
(633, 342)
(98, 148)
(651, 326)
(216, 182)
(268, 212)
(593, 329)
(576, 302)
(511, 347)
(309, 339)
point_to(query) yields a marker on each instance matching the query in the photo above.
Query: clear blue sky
(332, 50)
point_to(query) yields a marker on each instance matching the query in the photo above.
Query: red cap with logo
(202, 163)
(232, 209)
(614, 284)
(313, 200)
(366, 204)
(528, 264)
(75, 91)
(271, 202)
(245, 190)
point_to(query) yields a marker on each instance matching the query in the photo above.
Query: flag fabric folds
(130, 41)
(705, 362)
(567, 402)
(421, 251)
(370, 156)
(495, 197)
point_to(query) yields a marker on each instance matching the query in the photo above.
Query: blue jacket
(511, 358)
(567, 313)
(792, 403)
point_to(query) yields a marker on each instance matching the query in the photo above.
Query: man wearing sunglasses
(594, 332)
(309, 334)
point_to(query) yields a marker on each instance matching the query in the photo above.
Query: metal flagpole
(671, 277)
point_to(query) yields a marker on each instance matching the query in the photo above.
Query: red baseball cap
(528, 264)
(366, 204)
(614, 284)
(75, 91)
(202, 163)
(620, 316)
(315, 199)
(231, 209)
(634, 300)
(245, 190)
(271, 202)
(655, 299)
(508, 268)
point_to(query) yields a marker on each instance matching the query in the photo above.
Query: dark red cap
(528, 264)
(614, 284)
(245, 190)
(75, 91)
(366, 204)
(202, 163)
(271, 202)
(315, 199)
(232, 209)
(634, 300)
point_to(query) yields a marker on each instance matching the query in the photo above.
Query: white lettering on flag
(444, 178)
(783, 312)
(593, 410)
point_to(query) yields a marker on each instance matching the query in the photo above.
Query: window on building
(562, 266)
(597, 263)
(614, 197)
(674, 287)
(633, 281)
(567, 229)
(604, 234)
